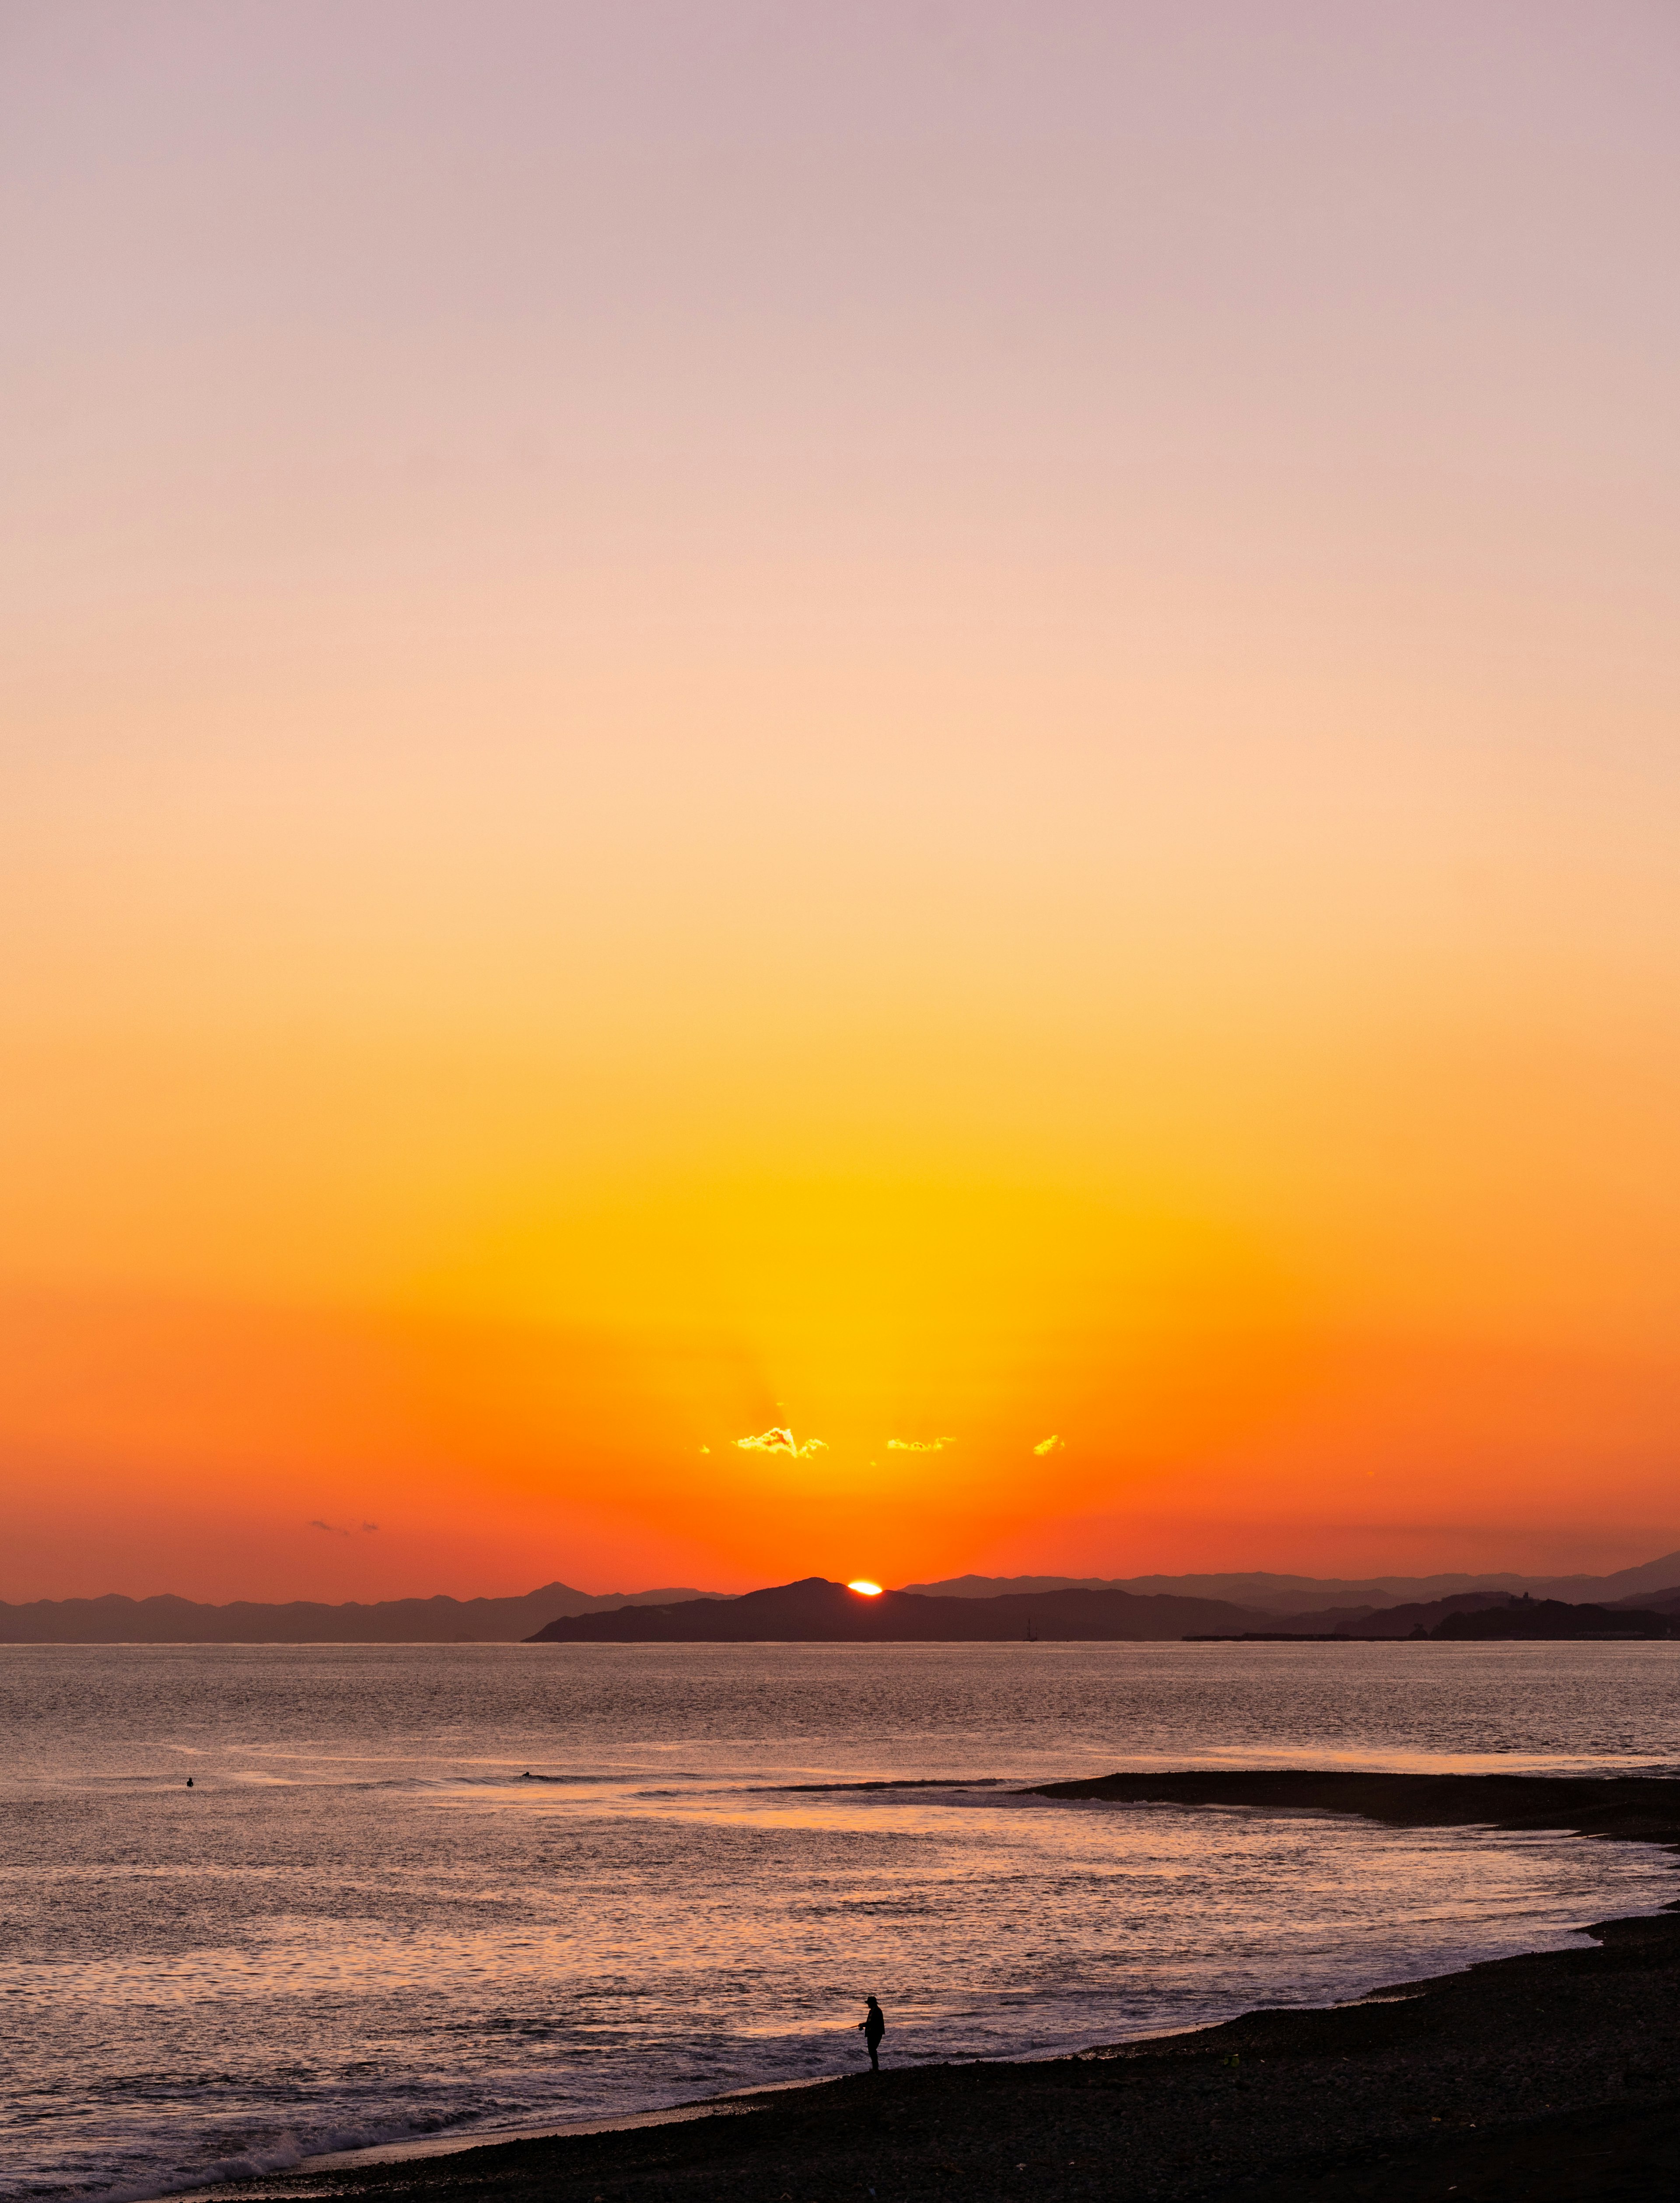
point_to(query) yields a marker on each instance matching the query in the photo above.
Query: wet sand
(1547, 2079)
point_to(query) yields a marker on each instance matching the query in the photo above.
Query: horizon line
(1047, 1577)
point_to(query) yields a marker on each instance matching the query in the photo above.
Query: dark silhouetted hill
(1552, 1620)
(817, 1611)
(166, 1620)
(1400, 1620)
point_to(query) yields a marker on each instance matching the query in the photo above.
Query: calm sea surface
(362, 1924)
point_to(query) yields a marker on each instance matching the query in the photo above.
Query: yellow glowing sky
(935, 730)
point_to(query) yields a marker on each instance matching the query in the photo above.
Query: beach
(1549, 2076)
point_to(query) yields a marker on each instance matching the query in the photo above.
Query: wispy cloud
(780, 1441)
(341, 1529)
(1052, 1445)
(919, 1446)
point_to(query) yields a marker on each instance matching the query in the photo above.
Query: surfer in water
(872, 2027)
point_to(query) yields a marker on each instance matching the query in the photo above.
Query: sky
(940, 735)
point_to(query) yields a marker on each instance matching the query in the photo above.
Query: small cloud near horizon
(1052, 1445)
(781, 1441)
(338, 1529)
(919, 1446)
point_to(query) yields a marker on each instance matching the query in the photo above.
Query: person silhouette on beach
(872, 2027)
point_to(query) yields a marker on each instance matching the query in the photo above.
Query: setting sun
(869, 1590)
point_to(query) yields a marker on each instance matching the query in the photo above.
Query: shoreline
(1554, 2068)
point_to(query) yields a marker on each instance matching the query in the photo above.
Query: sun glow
(1088, 1008)
(863, 1583)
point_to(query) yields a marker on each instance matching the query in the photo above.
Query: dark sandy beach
(1540, 2079)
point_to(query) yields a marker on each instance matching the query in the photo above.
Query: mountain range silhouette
(815, 1610)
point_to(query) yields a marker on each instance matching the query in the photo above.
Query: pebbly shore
(1550, 2078)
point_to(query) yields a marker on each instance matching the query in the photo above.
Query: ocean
(439, 1891)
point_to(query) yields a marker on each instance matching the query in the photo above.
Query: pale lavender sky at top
(888, 246)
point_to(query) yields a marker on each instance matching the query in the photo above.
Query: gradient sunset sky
(951, 728)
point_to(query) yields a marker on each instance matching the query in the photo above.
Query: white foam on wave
(350, 2146)
(284, 2152)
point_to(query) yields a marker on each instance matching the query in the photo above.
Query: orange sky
(726, 718)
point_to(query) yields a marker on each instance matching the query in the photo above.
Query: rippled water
(362, 1922)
